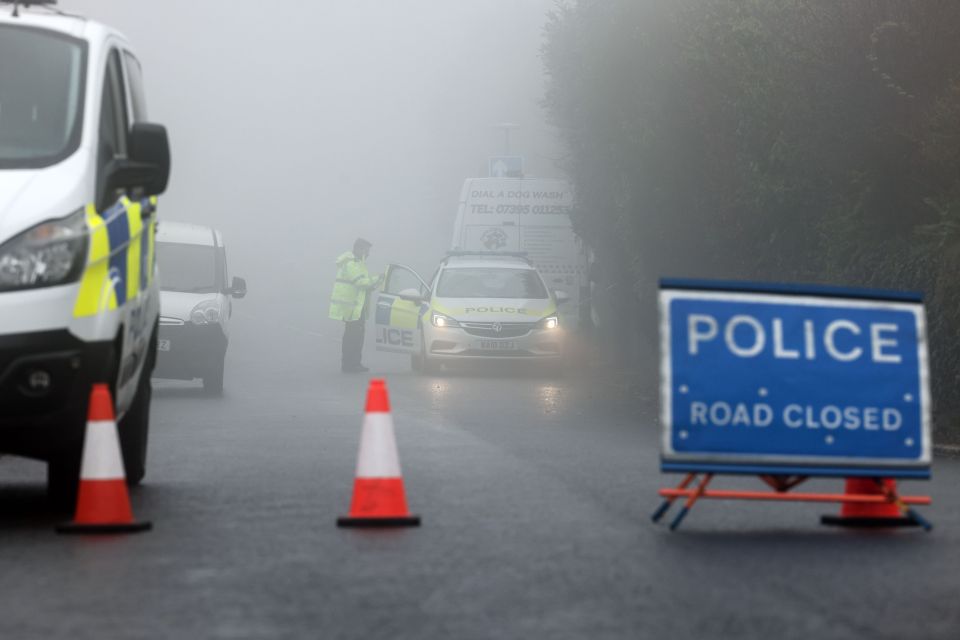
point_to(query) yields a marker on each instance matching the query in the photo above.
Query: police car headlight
(440, 320)
(550, 322)
(207, 312)
(46, 255)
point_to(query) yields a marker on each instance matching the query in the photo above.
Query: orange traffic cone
(103, 505)
(871, 514)
(378, 496)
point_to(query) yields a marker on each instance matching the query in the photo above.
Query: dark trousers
(353, 333)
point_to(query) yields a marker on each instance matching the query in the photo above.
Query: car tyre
(564, 365)
(555, 370)
(213, 381)
(429, 367)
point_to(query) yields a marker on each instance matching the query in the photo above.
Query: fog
(296, 127)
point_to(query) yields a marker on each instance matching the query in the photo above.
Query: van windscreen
(190, 268)
(41, 96)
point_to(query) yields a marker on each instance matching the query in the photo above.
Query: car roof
(186, 233)
(52, 19)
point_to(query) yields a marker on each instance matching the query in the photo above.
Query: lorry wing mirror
(147, 166)
(238, 288)
(561, 296)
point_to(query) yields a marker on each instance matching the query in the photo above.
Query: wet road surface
(535, 492)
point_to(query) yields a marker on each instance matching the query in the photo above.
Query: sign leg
(662, 509)
(691, 501)
(911, 513)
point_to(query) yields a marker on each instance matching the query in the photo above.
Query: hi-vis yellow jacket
(350, 289)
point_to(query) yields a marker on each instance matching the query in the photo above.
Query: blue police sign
(786, 380)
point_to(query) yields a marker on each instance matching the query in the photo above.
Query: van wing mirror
(238, 288)
(149, 144)
(561, 296)
(147, 166)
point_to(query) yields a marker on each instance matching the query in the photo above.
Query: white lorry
(531, 216)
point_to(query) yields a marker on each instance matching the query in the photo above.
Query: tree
(773, 139)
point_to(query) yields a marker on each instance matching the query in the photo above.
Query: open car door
(400, 306)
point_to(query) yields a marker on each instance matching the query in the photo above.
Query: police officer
(349, 303)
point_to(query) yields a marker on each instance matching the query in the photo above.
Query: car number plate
(498, 345)
(163, 345)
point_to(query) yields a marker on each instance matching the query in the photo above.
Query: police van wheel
(135, 426)
(133, 431)
(63, 479)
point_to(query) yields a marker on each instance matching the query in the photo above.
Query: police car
(196, 303)
(478, 306)
(80, 167)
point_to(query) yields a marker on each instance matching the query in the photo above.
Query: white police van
(79, 171)
(196, 303)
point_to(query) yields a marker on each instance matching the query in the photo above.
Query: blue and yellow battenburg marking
(122, 249)
(401, 314)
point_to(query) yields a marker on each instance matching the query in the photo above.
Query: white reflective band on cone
(101, 452)
(378, 448)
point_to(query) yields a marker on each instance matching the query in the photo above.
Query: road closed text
(795, 416)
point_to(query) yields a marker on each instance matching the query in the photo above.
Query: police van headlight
(550, 322)
(46, 255)
(207, 312)
(440, 320)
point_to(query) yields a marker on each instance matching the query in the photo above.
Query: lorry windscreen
(42, 79)
(185, 267)
(470, 282)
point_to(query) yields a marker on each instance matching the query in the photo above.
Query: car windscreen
(187, 267)
(487, 282)
(42, 76)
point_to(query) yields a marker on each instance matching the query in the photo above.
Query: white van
(532, 216)
(79, 171)
(196, 303)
